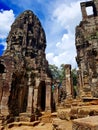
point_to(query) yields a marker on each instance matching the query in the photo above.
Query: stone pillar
(37, 82)
(5, 96)
(30, 100)
(83, 9)
(56, 96)
(30, 95)
(69, 89)
(35, 98)
(48, 95)
(79, 85)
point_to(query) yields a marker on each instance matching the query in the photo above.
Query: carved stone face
(16, 37)
(28, 33)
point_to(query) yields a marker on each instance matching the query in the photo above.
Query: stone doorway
(42, 96)
(2, 68)
(18, 95)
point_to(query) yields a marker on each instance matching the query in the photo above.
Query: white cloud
(65, 16)
(6, 19)
(66, 43)
(60, 15)
(66, 51)
(62, 58)
(89, 10)
(68, 15)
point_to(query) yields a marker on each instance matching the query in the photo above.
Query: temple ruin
(25, 79)
(28, 91)
(87, 51)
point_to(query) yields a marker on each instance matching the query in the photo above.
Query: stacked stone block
(87, 51)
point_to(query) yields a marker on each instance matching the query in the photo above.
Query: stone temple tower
(87, 51)
(25, 80)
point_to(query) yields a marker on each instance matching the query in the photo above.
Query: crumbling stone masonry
(87, 51)
(25, 80)
(66, 91)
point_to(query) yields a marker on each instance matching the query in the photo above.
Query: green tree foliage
(57, 73)
(62, 72)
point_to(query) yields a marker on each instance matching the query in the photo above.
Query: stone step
(59, 124)
(64, 114)
(27, 117)
(88, 123)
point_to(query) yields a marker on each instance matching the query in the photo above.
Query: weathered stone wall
(87, 51)
(25, 67)
(6, 67)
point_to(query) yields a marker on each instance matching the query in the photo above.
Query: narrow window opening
(2, 68)
(89, 10)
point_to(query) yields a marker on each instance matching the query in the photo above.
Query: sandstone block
(64, 114)
(88, 123)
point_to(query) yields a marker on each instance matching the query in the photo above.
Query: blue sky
(59, 19)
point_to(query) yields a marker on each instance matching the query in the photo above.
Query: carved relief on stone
(26, 64)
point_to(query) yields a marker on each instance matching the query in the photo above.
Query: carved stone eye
(94, 52)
